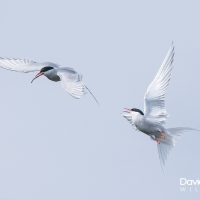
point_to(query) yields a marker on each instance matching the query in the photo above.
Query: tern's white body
(152, 121)
(148, 126)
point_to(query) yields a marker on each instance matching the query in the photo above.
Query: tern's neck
(136, 117)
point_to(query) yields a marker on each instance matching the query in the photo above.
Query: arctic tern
(69, 78)
(152, 120)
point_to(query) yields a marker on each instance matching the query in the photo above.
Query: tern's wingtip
(172, 44)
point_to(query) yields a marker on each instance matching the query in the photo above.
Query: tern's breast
(147, 126)
(52, 75)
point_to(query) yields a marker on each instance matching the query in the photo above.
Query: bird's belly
(149, 128)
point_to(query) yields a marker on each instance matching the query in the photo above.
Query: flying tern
(69, 78)
(152, 120)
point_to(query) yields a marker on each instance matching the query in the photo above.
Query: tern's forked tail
(169, 141)
(92, 95)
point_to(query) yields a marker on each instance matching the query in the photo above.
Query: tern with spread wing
(69, 78)
(152, 120)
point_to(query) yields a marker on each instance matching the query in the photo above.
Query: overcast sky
(55, 147)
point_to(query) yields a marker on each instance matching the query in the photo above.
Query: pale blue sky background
(55, 147)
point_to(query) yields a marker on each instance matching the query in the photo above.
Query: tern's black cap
(45, 69)
(137, 110)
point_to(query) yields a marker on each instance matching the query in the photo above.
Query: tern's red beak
(37, 75)
(127, 110)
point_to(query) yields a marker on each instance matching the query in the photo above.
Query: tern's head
(136, 111)
(132, 114)
(133, 111)
(43, 71)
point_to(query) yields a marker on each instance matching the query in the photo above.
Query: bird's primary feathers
(70, 79)
(152, 121)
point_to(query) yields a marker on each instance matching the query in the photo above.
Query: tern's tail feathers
(92, 95)
(169, 141)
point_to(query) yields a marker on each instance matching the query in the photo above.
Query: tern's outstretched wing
(72, 82)
(154, 99)
(20, 65)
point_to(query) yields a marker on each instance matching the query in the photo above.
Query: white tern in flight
(70, 79)
(152, 120)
